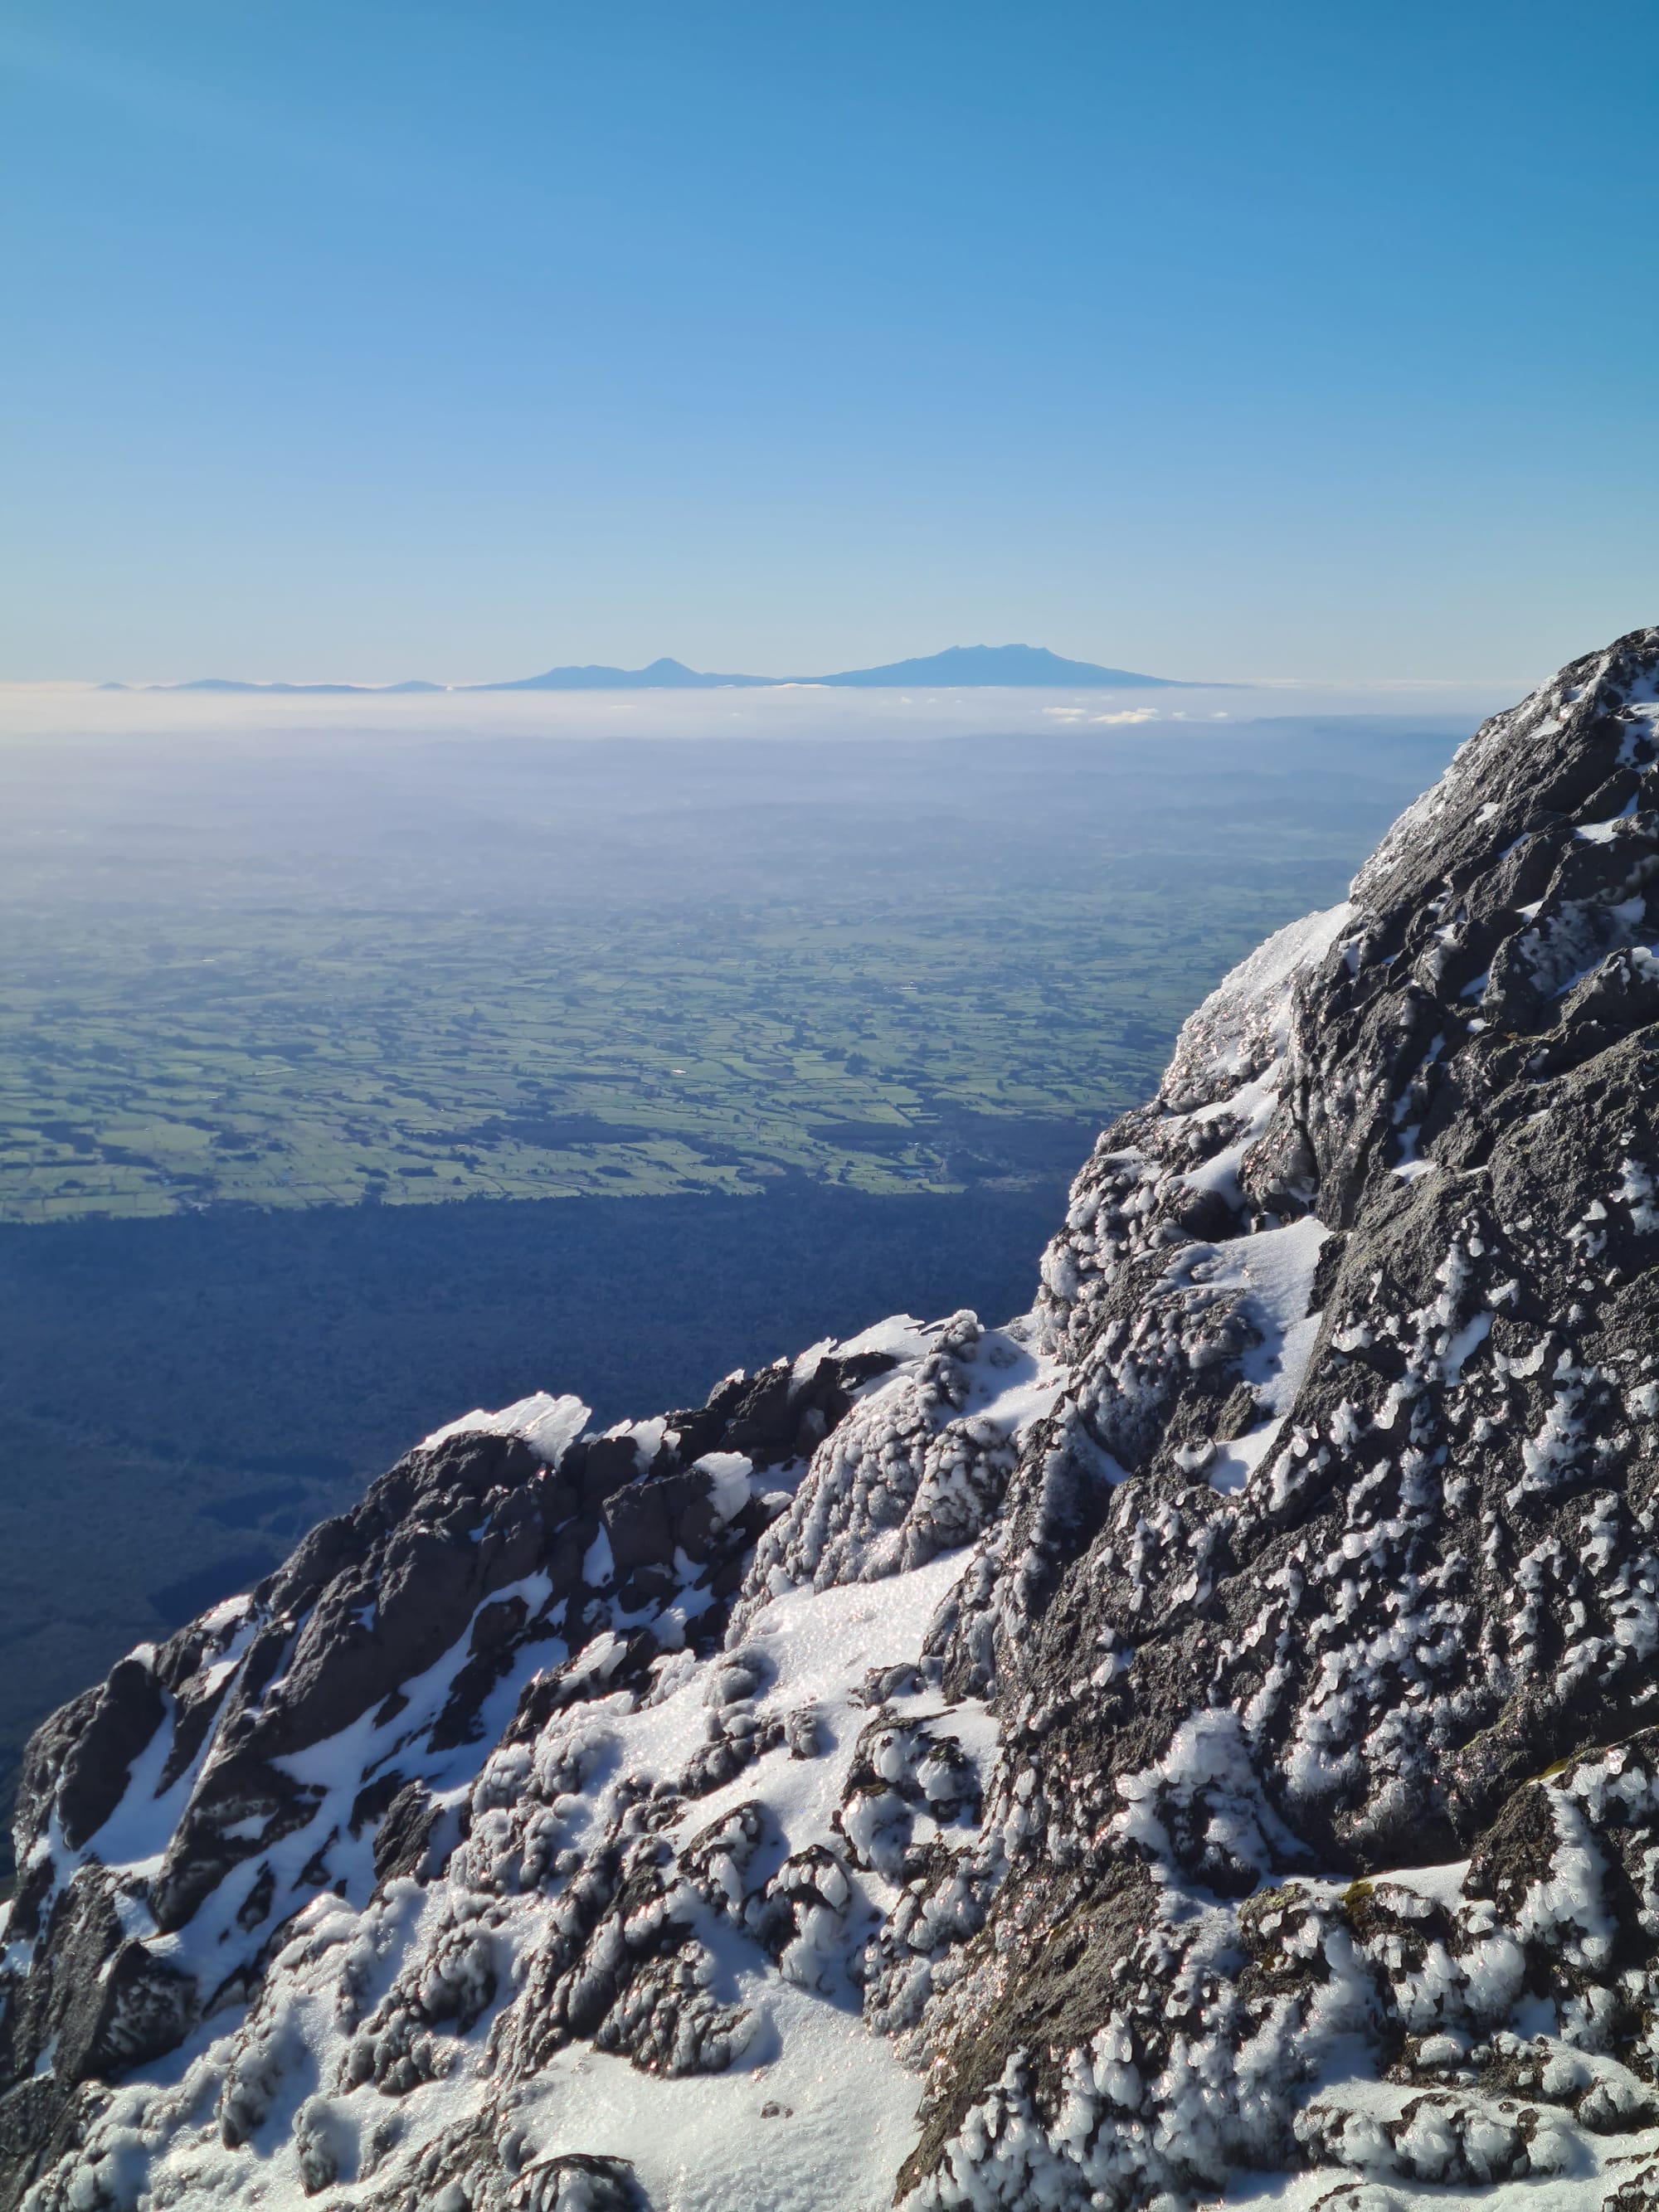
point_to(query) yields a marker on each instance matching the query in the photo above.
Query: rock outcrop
(1211, 1723)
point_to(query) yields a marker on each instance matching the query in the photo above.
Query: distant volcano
(1024, 666)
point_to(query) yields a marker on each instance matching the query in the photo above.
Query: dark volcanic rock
(472, 1545)
(82, 1758)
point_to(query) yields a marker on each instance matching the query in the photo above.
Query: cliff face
(1211, 1723)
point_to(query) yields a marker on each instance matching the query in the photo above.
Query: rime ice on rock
(1209, 1726)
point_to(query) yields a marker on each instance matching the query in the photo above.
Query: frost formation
(1207, 1728)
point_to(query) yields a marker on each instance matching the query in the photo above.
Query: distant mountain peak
(1015, 667)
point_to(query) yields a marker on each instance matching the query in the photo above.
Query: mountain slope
(1205, 1727)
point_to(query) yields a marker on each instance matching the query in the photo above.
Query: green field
(580, 971)
(288, 1059)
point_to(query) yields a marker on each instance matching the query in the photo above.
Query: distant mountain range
(232, 683)
(1023, 667)
(659, 676)
(979, 666)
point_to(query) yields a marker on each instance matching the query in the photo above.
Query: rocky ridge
(1209, 1724)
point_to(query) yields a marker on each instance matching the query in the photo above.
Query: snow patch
(548, 1424)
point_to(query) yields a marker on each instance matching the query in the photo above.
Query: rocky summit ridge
(1207, 1729)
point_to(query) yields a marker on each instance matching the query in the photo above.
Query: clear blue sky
(373, 340)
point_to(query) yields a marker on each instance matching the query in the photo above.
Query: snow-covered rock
(1206, 1730)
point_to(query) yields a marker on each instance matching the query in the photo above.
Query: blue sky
(371, 340)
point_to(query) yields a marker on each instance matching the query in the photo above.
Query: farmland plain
(632, 970)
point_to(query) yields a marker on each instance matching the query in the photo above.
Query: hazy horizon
(67, 711)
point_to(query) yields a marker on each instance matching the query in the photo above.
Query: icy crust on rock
(524, 1798)
(1207, 1729)
(918, 1470)
(1241, 1029)
(1367, 1573)
(624, 1963)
